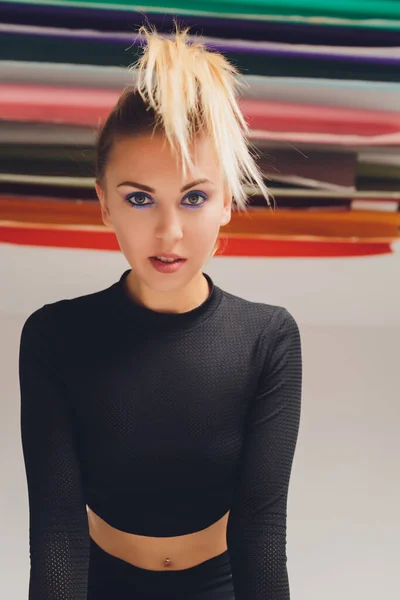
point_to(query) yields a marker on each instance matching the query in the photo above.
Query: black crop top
(161, 423)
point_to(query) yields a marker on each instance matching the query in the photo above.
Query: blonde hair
(184, 90)
(193, 90)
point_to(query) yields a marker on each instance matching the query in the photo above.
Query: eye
(195, 196)
(139, 198)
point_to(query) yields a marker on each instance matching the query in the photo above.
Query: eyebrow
(141, 186)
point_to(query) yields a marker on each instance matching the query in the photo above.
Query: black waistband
(106, 568)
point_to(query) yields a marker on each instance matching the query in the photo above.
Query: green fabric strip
(379, 171)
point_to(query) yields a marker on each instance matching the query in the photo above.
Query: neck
(178, 301)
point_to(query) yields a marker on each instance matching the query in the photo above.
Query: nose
(169, 227)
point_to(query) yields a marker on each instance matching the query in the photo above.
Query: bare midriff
(160, 553)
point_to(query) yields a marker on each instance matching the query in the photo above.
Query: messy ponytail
(184, 90)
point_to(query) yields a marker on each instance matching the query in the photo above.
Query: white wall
(343, 523)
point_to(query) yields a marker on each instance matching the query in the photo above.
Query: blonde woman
(159, 416)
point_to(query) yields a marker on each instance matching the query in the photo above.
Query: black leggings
(111, 578)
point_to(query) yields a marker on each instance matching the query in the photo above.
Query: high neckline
(164, 321)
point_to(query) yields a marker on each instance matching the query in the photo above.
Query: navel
(167, 562)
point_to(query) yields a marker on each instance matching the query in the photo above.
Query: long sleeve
(256, 531)
(58, 531)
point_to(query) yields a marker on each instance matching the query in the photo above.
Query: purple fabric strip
(243, 49)
(106, 20)
(222, 46)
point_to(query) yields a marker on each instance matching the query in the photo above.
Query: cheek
(208, 218)
(202, 231)
(131, 235)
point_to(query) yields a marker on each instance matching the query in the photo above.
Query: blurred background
(322, 99)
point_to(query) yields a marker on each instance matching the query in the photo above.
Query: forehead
(152, 156)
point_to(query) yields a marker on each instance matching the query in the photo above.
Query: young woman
(160, 416)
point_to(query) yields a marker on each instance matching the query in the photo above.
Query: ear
(105, 212)
(227, 210)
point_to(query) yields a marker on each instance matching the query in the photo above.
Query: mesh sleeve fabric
(58, 522)
(256, 532)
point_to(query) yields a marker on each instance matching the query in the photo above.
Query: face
(153, 209)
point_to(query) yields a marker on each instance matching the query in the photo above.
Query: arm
(256, 531)
(59, 530)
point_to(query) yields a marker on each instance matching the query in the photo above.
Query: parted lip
(166, 255)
